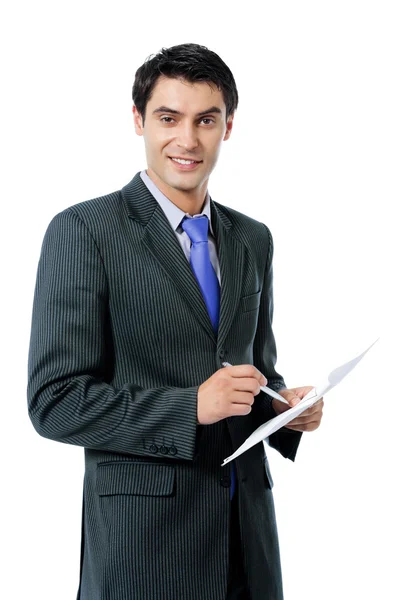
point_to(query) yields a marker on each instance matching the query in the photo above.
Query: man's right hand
(228, 393)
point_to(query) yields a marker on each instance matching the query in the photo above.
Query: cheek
(214, 152)
(156, 141)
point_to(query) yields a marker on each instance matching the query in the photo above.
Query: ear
(137, 120)
(229, 125)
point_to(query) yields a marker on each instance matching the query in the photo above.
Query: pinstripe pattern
(120, 342)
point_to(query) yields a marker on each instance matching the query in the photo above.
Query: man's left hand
(310, 419)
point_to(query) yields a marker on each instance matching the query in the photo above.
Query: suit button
(226, 481)
(153, 448)
(222, 353)
(163, 449)
(173, 450)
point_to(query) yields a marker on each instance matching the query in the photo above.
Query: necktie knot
(196, 228)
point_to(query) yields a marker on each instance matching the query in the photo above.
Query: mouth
(184, 164)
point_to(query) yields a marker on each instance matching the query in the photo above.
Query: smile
(185, 164)
(183, 161)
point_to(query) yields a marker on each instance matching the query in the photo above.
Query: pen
(265, 389)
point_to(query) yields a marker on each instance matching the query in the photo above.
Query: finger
(240, 410)
(296, 422)
(247, 371)
(290, 396)
(302, 391)
(246, 384)
(315, 409)
(302, 421)
(306, 416)
(242, 398)
(305, 426)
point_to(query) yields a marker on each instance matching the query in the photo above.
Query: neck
(190, 201)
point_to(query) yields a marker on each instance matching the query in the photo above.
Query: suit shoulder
(244, 227)
(96, 207)
(97, 214)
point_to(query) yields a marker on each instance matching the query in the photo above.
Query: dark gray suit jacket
(121, 340)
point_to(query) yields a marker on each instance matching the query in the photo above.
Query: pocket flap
(250, 302)
(143, 479)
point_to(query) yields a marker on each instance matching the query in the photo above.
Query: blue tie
(197, 230)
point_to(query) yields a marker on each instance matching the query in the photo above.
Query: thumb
(291, 397)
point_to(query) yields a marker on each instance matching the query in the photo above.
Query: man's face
(185, 121)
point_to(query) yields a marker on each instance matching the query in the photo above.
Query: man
(141, 295)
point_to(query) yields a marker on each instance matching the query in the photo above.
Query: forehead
(185, 96)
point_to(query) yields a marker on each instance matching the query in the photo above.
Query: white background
(315, 155)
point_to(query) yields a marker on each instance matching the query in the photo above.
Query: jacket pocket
(268, 477)
(140, 479)
(251, 302)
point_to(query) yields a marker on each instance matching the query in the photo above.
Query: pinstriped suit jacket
(120, 342)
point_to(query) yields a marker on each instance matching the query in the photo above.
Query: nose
(187, 137)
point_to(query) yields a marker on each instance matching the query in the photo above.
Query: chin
(182, 187)
(182, 183)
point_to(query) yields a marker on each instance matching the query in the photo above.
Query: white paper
(311, 398)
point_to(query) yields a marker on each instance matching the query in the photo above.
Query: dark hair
(190, 62)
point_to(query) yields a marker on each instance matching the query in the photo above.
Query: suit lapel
(160, 239)
(231, 259)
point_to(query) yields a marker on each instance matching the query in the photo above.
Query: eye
(166, 119)
(210, 121)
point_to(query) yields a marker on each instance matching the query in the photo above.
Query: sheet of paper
(312, 397)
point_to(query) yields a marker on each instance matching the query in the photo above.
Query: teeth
(184, 162)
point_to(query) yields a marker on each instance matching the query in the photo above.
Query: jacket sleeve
(70, 358)
(284, 440)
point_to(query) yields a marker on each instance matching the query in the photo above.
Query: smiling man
(141, 296)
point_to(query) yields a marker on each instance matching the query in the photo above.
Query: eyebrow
(165, 109)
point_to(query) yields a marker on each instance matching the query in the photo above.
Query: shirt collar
(173, 213)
